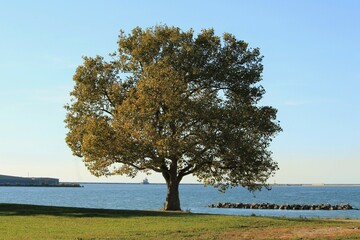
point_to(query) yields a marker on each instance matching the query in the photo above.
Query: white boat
(145, 181)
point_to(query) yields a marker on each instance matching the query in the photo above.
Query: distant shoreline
(78, 184)
(272, 185)
(61, 185)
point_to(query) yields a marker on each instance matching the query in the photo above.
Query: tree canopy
(176, 103)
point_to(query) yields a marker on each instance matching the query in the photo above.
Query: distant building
(145, 181)
(26, 181)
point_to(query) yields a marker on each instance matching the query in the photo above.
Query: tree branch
(107, 111)
(155, 169)
(136, 167)
(187, 170)
(108, 98)
(196, 167)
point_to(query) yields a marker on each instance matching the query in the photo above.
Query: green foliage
(177, 104)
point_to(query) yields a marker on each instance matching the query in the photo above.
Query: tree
(177, 104)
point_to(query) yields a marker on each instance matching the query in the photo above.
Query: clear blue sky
(312, 76)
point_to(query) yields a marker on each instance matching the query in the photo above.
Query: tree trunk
(172, 199)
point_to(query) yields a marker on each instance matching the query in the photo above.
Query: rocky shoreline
(283, 206)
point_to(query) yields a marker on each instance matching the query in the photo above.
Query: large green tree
(177, 104)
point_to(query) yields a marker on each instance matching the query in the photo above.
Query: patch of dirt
(329, 232)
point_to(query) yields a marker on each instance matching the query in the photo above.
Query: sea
(194, 198)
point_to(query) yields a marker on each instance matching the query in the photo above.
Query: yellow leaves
(171, 100)
(125, 170)
(163, 84)
(98, 138)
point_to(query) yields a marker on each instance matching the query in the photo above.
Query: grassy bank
(41, 222)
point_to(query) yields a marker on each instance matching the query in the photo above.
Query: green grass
(42, 222)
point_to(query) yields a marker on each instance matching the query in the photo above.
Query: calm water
(193, 197)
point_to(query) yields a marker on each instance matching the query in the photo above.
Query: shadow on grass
(33, 210)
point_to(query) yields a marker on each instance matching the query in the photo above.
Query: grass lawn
(42, 222)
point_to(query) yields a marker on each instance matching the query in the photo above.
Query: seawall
(283, 206)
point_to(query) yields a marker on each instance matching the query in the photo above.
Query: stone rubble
(283, 206)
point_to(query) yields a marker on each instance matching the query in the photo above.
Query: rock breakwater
(283, 206)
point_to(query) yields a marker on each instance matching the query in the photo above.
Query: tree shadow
(7, 209)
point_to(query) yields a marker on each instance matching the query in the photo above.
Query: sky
(311, 75)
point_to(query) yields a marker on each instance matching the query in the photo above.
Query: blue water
(195, 198)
